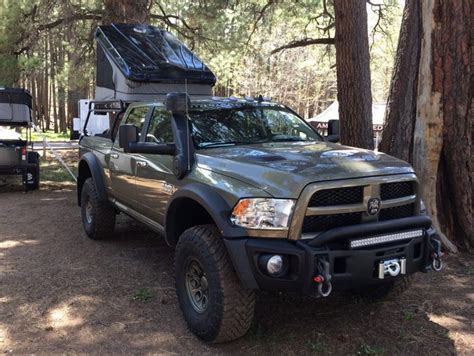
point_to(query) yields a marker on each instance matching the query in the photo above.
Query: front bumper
(348, 268)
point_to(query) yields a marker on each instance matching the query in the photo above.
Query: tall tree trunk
(443, 135)
(353, 73)
(61, 90)
(126, 11)
(441, 145)
(397, 139)
(46, 74)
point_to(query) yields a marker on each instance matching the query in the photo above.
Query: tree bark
(452, 76)
(126, 11)
(353, 73)
(441, 145)
(397, 139)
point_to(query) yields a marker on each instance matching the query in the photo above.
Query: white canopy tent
(332, 113)
(320, 122)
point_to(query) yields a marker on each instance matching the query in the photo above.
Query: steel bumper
(347, 268)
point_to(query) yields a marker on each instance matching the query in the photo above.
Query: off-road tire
(230, 307)
(101, 221)
(384, 291)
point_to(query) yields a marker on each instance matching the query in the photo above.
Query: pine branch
(304, 42)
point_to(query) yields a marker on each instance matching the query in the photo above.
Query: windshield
(227, 127)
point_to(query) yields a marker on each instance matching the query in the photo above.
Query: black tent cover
(15, 96)
(145, 53)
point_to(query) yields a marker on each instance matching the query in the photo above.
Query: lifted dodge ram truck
(251, 197)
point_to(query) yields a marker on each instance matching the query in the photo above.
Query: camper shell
(142, 62)
(16, 151)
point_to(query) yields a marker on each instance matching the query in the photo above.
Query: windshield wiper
(282, 138)
(228, 143)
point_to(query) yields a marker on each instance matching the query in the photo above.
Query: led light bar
(382, 239)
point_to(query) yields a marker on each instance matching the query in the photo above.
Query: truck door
(155, 181)
(122, 165)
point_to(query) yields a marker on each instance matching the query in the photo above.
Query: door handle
(114, 155)
(141, 164)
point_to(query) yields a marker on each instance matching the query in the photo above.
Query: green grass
(317, 346)
(50, 136)
(143, 295)
(368, 350)
(407, 316)
(55, 173)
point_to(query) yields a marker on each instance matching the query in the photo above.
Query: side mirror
(153, 148)
(333, 138)
(333, 127)
(333, 131)
(127, 134)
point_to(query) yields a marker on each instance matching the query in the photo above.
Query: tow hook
(323, 279)
(436, 254)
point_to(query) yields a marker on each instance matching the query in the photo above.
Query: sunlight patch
(62, 316)
(3, 336)
(14, 243)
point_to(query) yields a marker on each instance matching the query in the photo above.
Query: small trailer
(16, 149)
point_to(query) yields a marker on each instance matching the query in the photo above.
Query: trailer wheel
(215, 305)
(98, 217)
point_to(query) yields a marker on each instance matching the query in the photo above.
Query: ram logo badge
(373, 206)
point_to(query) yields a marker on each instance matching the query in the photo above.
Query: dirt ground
(63, 293)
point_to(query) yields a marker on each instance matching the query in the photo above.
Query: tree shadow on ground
(62, 292)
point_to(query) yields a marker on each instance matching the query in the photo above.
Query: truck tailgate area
(10, 153)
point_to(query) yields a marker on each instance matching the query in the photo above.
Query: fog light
(275, 265)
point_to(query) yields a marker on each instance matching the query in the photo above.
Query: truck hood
(284, 169)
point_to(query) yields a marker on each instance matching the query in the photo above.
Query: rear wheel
(98, 217)
(215, 305)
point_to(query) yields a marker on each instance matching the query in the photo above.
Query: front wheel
(215, 305)
(98, 217)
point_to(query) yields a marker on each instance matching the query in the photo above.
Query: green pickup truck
(251, 198)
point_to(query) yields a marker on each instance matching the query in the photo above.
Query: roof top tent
(15, 107)
(143, 62)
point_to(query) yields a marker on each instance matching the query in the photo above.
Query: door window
(137, 117)
(160, 130)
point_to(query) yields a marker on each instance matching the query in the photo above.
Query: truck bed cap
(15, 106)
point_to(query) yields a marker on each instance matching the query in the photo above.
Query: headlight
(263, 213)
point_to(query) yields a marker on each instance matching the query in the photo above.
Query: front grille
(396, 190)
(337, 196)
(316, 223)
(336, 201)
(398, 212)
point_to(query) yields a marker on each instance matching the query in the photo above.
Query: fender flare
(211, 201)
(96, 172)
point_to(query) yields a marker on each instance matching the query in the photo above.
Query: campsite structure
(16, 151)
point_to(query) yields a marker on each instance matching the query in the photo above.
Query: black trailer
(16, 150)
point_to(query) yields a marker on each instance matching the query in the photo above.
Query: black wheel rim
(197, 287)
